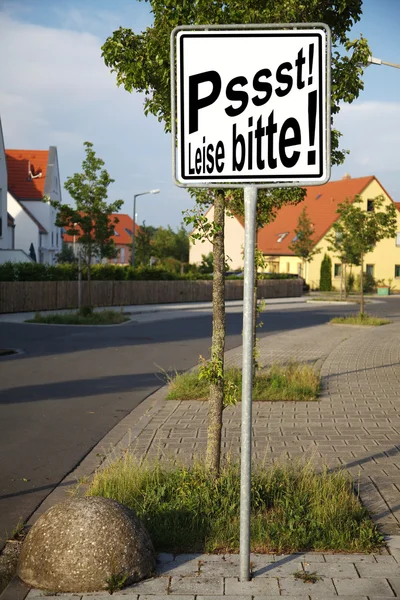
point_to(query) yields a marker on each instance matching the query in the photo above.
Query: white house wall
(3, 193)
(26, 231)
(234, 242)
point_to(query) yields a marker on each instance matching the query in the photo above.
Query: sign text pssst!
(252, 106)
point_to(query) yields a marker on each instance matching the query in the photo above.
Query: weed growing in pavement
(360, 319)
(307, 577)
(116, 582)
(186, 509)
(292, 381)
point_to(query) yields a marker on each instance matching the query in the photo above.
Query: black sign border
(239, 177)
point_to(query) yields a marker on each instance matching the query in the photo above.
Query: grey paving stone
(259, 585)
(282, 568)
(395, 583)
(378, 570)
(196, 585)
(122, 595)
(313, 597)
(289, 586)
(366, 558)
(339, 569)
(47, 594)
(224, 597)
(164, 557)
(367, 587)
(279, 597)
(156, 585)
(164, 597)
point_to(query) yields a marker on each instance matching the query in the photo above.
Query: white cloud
(371, 131)
(56, 90)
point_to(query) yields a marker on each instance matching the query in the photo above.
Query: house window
(369, 269)
(52, 238)
(282, 236)
(57, 239)
(337, 270)
(398, 238)
(287, 267)
(122, 255)
(397, 270)
(370, 205)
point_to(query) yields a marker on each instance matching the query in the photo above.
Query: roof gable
(27, 173)
(123, 230)
(321, 203)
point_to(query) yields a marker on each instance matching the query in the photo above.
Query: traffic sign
(253, 106)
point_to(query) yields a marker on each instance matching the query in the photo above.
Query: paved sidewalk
(356, 424)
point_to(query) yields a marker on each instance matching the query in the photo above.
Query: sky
(56, 91)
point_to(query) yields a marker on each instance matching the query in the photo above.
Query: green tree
(141, 62)
(66, 255)
(325, 281)
(304, 244)
(90, 221)
(357, 231)
(143, 247)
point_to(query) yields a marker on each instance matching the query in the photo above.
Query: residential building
(123, 233)
(321, 203)
(33, 175)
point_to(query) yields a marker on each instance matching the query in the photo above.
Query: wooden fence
(23, 296)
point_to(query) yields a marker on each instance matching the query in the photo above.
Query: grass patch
(104, 317)
(360, 319)
(294, 508)
(292, 381)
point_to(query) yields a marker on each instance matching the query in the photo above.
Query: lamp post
(377, 61)
(134, 221)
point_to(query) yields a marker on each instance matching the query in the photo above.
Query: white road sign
(252, 106)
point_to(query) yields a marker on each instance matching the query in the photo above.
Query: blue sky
(56, 90)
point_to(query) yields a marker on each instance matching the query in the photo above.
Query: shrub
(350, 282)
(369, 283)
(325, 282)
(108, 272)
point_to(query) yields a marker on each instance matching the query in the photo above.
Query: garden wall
(21, 296)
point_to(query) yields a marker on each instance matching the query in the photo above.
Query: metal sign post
(250, 108)
(250, 204)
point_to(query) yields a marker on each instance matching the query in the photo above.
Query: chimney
(346, 176)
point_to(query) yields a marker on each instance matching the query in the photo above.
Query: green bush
(325, 282)
(350, 282)
(108, 272)
(369, 283)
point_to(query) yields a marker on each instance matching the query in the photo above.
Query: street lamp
(377, 61)
(134, 221)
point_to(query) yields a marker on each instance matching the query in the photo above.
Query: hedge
(69, 272)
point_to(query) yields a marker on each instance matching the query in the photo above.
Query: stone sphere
(77, 545)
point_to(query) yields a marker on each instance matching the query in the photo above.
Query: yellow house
(321, 203)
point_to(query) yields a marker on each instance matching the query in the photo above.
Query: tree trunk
(89, 276)
(345, 281)
(341, 282)
(216, 399)
(362, 285)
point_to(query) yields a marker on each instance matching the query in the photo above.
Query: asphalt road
(72, 385)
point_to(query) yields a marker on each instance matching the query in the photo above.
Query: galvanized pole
(134, 230)
(250, 203)
(79, 281)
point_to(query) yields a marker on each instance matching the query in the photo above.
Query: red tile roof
(123, 229)
(321, 203)
(27, 173)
